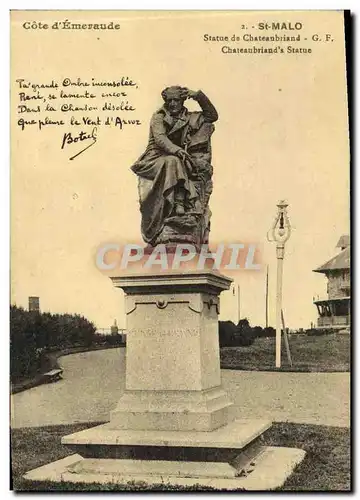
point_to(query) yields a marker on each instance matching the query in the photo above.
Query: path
(94, 381)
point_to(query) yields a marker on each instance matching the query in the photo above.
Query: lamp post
(279, 232)
(236, 294)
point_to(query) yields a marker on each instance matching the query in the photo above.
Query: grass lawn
(327, 353)
(326, 466)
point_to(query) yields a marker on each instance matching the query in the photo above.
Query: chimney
(114, 328)
(34, 304)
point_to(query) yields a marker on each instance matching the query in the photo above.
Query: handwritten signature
(68, 138)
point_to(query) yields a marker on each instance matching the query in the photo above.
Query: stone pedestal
(171, 425)
(172, 354)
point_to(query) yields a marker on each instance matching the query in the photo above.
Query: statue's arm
(159, 134)
(208, 109)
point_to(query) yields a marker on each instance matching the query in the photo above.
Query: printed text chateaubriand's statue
(175, 172)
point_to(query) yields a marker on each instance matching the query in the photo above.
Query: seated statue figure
(175, 170)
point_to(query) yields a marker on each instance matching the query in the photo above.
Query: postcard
(180, 250)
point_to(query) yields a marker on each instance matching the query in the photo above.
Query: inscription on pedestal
(155, 332)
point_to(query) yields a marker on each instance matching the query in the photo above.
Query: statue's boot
(179, 201)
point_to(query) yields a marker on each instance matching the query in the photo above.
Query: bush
(258, 331)
(269, 332)
(109, 340)
(231, 335)
(317, 332)
(242, 334)
(32, 334)
(226, 333)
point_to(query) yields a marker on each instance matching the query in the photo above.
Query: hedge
(33, 334)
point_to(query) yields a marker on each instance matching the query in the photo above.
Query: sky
(282, 133)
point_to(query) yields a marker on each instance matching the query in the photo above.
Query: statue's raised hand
(192, 94)
(189, 94)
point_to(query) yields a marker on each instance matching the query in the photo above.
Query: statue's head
(174, 98)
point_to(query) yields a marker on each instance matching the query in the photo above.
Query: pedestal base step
(152, 467)
(235, 435)
(204, 410)
(232, 457)
(267, 470)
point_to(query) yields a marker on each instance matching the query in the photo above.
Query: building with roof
(334, 311)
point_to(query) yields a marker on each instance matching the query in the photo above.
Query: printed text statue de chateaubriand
(175, 171)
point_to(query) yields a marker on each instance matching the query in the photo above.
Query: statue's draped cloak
(160, 170)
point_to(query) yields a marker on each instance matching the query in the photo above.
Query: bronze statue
(175, 171)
